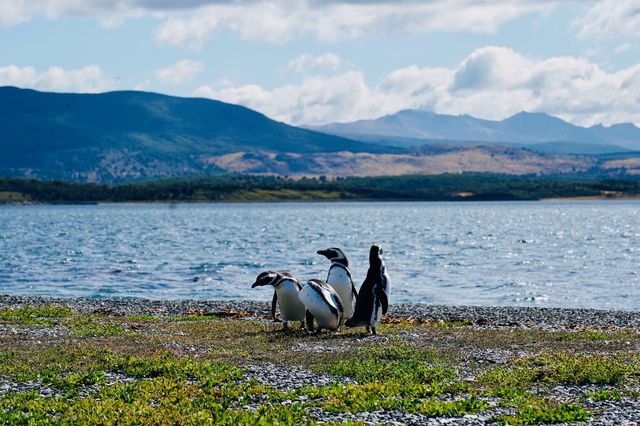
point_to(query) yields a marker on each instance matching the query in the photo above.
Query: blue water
(565, 254)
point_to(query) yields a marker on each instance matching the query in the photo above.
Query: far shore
(623, 197)
(302, 201)
(249, 188)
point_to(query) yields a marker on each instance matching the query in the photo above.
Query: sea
(550, 254)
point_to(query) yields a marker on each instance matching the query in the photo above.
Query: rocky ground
(497, 315)
(76, 361)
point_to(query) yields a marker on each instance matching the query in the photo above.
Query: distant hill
(128, 135)
(134, 136)
(426, 160)
(416, 127)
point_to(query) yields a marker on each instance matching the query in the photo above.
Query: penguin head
(266, 278)
(375, 254)
(335, 254)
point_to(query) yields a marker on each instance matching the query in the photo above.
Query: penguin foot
(368, 329)
(318, 331)
(309, 321)
(373, 331)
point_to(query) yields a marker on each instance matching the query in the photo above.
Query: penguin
(373, 297)
(285, 295)
(324, 304)
(339, 277)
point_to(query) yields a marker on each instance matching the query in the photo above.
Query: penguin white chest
(291, 309)
(322, 305)
(340, 280)
(376, 312)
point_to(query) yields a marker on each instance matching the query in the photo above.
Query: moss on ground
(145, 369)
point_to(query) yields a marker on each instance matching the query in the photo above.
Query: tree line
(446, 187)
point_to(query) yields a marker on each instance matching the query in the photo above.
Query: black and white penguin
(373, 297)
(339, 277)
(323, 303)
(285, 295)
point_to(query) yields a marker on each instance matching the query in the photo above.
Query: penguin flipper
(384, 300)
(309, 320)
(274, 303)
(354, 291)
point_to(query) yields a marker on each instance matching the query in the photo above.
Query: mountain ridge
(523, 128)
(129, 134)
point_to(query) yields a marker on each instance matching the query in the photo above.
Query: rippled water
(568, 254)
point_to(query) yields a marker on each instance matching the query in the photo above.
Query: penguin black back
(373, 296)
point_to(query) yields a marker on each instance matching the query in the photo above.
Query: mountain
(127, 135)
(413, 126)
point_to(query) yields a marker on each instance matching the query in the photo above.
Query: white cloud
(308, 62)
(180, 72)
(315, 99)
(143, 86)
(609, 19)
(193, 21)
(492, 83)
(109, 13)
(280, 21)
(623, 48)
(89, 79)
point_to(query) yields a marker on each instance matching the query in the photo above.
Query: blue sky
(312, 62)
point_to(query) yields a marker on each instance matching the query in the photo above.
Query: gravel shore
(492, 316)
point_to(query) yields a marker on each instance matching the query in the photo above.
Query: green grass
(91, 327)
(195, 318)
(154, 401)
(10, 197)
(71, 383)
(190, 368)
(566, 368)
(265, 195)
(603, 395)
(546, 411)
(448, 324)
(28, 313)
(589, 334)
(417, 399)
(154, 318)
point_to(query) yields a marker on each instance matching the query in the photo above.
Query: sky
(322, 61)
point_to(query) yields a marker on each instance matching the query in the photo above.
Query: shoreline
(598, 198)
(514, 316)
(593, 198)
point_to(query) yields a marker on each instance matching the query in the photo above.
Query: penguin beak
(256, 284)
(323, 252)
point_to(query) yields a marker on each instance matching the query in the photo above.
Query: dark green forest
(234, 188)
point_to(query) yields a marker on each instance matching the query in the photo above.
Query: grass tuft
(88, 326)
(567, 368)
(603, 395)
(34, 312)
(546, 411)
